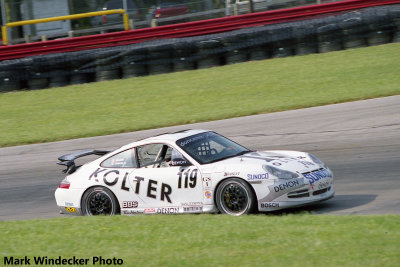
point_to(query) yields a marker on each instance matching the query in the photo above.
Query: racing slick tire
(99, 201)
(235, 197)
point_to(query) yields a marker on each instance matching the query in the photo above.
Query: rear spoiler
(68, 160)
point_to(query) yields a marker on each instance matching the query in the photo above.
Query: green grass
(211, 240)
(193, 96)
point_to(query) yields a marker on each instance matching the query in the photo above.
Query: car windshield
(210, 147)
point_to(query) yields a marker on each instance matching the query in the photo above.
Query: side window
(124, 159)
(149, 154)
(160, 156)
(177, 159)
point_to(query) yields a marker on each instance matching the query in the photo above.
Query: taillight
(64, 184)
(104, 19)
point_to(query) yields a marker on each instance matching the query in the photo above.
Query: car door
(165, 181)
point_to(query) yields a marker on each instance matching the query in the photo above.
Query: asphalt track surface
(359, 141)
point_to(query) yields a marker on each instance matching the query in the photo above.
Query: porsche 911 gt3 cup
(191, 171)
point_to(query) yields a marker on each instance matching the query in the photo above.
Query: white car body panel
(191, 189)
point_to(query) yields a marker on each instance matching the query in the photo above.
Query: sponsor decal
(167, 210)
(178, 162)
(261, 176)
(207, 194)
(165, 193)
(130, 212)
(282, 187)
(286, 185)
(70, 209)
(192, 204)
(188, 141)
(270, 205)
(231, 174)
(149, 211)
(315, 176)
(323, 185)
(110, 178)
(129, 204)
(69, 204)
(193, 209)
(187, 179)
(207, 181)
(307, 163)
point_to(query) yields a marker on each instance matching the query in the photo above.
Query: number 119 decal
(189, 180)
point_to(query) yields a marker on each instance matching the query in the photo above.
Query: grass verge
(210, 240)
(193, 96)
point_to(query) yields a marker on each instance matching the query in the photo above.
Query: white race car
(191, 171)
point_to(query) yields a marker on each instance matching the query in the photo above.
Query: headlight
(316, 160)
(281, 174)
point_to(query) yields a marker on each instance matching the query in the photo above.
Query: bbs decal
(186, 180)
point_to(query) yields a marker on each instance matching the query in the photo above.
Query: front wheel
(99, 201)
(235, 197)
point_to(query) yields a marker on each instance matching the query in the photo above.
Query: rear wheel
(99, 201)
(235, 197)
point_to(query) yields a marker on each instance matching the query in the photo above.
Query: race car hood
(250, 165)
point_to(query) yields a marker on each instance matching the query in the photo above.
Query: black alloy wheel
(99, 201)
(235, 197)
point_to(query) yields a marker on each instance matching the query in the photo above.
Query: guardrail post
(126, 21)
(4, 34)
(131, 24)
(27, 38)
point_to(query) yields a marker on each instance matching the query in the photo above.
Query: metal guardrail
(68, 17)
(189, 29)
(238, 8)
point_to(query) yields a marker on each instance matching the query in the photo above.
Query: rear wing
(68, 160)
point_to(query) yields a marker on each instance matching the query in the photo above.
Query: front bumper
(301, 191)
(303, 198)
